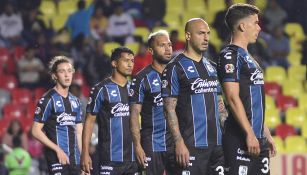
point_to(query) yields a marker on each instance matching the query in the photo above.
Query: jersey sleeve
(79, 112)
(137, 90)
(43, 109)
(170, 81)
(95, 100)
(229, 67)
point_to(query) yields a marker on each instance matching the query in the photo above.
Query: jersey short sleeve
(229, 66)
(95, 100)
(137, 90)
(43, 109)
(170, 81)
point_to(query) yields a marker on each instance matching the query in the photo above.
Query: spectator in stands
(29, 69)
(13, 131)
(79, 22)
(18, 162)
(120, 27)
(10, 26)
(178, 45)
(219, 23)
(274, 15)
(142, 59)
(133, 7)
(32, 26)
(279, 47)
(154, 12)
(98, 23)
(75, 89)
(99, 66)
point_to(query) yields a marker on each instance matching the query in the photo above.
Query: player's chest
(250, 71)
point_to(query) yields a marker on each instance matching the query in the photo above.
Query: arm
(271, 142)
(41, 136)
(232, 90)
(222, 110)
(182, 153)
(79, 128)
(135, 131)
(86, 162)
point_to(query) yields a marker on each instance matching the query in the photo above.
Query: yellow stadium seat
(261, 4)
(297, 73)
(302, 102)
(142, 32)
(305, 86)
(173, 20)
(304, 130)
(68, 6)
(134, 47)
(275, 74)
(269, 102)
(48, 8)
(161, 28)
(108, 47)
(295, 57)
(279, 143)
(292, 88)
(295, 117)
(295, 31)
(59, 21)
(295, 144)
(272, 118)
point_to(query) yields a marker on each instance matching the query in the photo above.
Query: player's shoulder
(143, 73)
(175, 61)
(229, 50)
(47, 96)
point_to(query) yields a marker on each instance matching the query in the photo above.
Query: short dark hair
(116, 53)
(237, 12)
(53, 65)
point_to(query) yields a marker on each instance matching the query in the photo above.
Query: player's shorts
(119, 168)
(237, 161)
(209, 161)
(59, 169)
(158, 162)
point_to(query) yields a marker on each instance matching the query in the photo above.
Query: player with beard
(58, 122)
(247, 142)
(109, 103)
(154, 148)
(193, 107)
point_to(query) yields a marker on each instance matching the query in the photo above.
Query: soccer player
(58, 121)
(247, 142)
(109, 103)
(190, 91)
(154, 147)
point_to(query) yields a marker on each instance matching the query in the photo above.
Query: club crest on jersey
(229, 68)
(257, 77)
(210, 68)
(73, 103)
(243, 170)
(203, 86)
(120, 110)
(131, 92)
(164, 83)
(66, 119)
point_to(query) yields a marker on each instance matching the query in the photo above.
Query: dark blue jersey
(196, 87)
(236, 65)
(60, 116)
(146, 90)
(110, 103)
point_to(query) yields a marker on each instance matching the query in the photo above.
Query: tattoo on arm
(171, 117)
(134, 123)
(222, 110)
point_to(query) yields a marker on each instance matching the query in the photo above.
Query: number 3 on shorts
(265, 168)
(220, 170)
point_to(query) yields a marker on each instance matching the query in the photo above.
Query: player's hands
(182, 154)
(252, 144)
(86, 163)
(272, 147)
(62, 157)
(140, 155)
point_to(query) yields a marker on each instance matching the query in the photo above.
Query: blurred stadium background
(33, 31)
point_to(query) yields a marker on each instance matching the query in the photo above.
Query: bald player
(193, 107)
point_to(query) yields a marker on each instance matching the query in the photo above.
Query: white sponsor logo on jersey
(203, 86)
(158, 100)
(120, 110)
(66, 119)
(257, 77)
